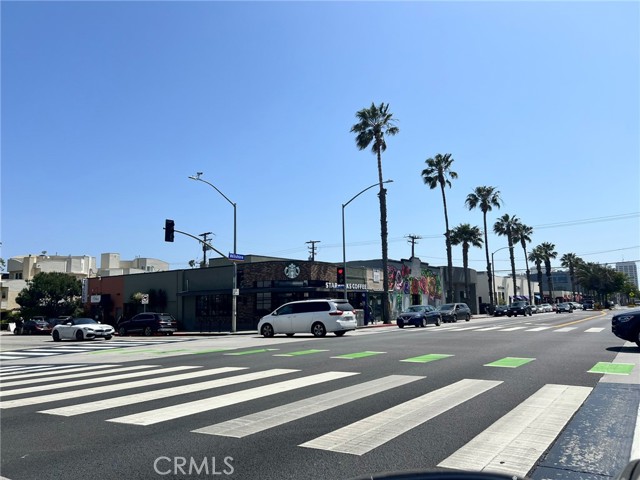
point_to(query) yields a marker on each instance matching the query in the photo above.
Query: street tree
(522, 234)
(468, 236)
(439, 173)
(374, 124)
(537, 257)
(549, 253)
(570, 260)
(50, 294)
(506, 226)
(485, 198)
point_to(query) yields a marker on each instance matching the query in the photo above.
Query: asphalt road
(518, 395)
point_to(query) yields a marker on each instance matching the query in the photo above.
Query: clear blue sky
(108, 107)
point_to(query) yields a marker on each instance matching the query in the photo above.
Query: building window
(263, 302)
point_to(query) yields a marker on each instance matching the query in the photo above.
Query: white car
(310, 316)
(81, 329)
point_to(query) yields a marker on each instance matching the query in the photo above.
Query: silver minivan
(310, 316)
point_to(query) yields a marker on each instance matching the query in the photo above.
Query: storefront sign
(350, 286)
(292, 270)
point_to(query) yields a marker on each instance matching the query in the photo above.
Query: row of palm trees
(374, 124)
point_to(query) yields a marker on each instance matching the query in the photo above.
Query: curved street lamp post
(493, 275)
(344, 248)
(234, 293)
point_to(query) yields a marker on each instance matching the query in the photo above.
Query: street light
(344, 248)
(493, 275)
(197, 177)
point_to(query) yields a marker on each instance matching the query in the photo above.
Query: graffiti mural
(402, 285)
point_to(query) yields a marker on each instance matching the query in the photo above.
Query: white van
(310, 316)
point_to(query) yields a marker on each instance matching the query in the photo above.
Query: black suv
(626, 326)
(519, 308)
(149, 323)
(452, 312)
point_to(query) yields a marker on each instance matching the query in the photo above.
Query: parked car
(35, 327)
(310, 316)
(451, 312)
(519, 308)
(546, 307)
(148, 323)
(500, 310)
(626, 326)
(588, 305)
(81, 329)
(534, 309)
(419, 316)
(576, 305)
(564, 307)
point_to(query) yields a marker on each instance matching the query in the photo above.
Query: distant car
(317, 317)
(534, 309)
(546, 307)
(576, 305)
(452, 312)
(626, 326)
(500, 310)
(419, 316)
(81, 329)
(519, 308)
(588, 305)
(35, 327)
(564, 307)
(148, 323)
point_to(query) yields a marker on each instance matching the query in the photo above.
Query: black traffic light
(168, 230)
(340, 280)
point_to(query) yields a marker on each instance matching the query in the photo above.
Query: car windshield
(84, 321)
(415, 308)
(447, 306)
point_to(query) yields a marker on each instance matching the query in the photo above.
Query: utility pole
(413, 240)
(205, 240)
(312, 249)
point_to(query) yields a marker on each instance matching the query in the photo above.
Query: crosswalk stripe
(167, 392)
(250, 424)
(537, 329)
(54, 397)
(182, 410)
(55, 370)
(514, 443)
(512, 329)
(565, 329)
(8, 357)
(459, 329)
(28, 353)
(488, 329)
(95, 378)
(594, 330)
(371, 432)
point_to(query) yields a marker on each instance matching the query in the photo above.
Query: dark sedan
(35, 327)
(149, 323)
(451, 312)
(519, 308)
(564, 307)
(419, 316)
(626, 326)
(500, 310)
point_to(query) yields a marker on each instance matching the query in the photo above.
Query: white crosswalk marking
(8, 357)
(512, 329)
(79, 372)
(32, 369)
(537, 329)
(185, 409)
(250, 424)
(166, 393)
(488, 329)
(365, 435)
(514, 443)
(594, 330)
(46, 372)
(84, 381)
(565, 329)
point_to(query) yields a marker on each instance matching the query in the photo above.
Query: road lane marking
(30, 377)
(488, 329)
(612, 368)
(427, 358)
(205, 405)
(512, 329)
(125, 400)
(581, 320)
(257, 422)
(251, 352)
(565, 329)
(301, 352)
(515, 442)
(363, 436)
(538, 329)
(594, 330)
(510, 362)
(352, 356)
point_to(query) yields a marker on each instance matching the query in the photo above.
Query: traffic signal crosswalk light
(168, 230)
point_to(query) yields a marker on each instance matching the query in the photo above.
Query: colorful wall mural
(403, 284)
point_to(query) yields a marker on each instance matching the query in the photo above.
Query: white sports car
(81, 329)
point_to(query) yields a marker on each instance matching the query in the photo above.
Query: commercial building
(630, 269)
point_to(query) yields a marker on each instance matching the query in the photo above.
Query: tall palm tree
(468, 236)
(438, 172)
(486, 198)
(549, 253)
(374, 123)
(570, 261)
(523, 235)
(505, 226)
(537, 256)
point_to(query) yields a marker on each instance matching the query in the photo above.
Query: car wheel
(108, 337)
(423, 323)
(438, 322)
(56, 336)
(340, 333)
(122, 332)
(318, 330)
(147, 331)
(400, 324)
(290, 334)
(455, 319)
(267, 330)
(468, 318)
(79, 335)
(638, 338)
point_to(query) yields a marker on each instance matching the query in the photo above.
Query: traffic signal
(340, 280)
(168, 230)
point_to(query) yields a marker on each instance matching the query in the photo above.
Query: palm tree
(438, 172)
(549, 253)
(522, 234)
(373, 124)
(536, 256)
(570, 260)
(506, 226)
(468, 236)
(486, 198)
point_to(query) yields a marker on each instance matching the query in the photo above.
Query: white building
(111, 265)
(630, 269)
(503, 288)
